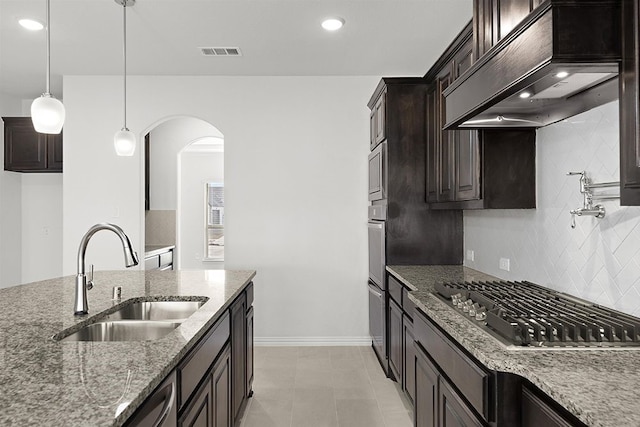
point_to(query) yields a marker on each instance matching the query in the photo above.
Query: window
(215, 221)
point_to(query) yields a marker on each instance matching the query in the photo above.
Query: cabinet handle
(168, 404)
(374, 225)
(377, 294)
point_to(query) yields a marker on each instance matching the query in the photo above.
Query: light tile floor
(323, 387)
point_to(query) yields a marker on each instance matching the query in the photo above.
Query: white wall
(30, 216)
(165, 142)
(295, 181)
(41, 226)
(599, 260)
(196, 169)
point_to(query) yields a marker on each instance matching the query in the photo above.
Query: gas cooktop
(529, 315)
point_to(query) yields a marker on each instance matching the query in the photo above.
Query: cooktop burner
(526, 314)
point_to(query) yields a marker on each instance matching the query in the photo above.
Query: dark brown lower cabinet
(409, 359)
(395, 340)
(425, 408)
(238, 357)
(538, 411)
(211, 384)
(221, 391)
(249, 389)
(453, 411)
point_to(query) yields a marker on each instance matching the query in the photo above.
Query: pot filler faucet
(81, 305)
(586, 188)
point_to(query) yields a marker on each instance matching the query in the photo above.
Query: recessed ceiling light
(31, 24)
(525, 95)
(562, 74)
(332, 24)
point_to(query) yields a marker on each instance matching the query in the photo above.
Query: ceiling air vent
(221, 51)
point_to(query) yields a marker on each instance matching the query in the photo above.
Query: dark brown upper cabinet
(414, 234)
(630, 105)
(26, 150)
(537, 63)
(473, 169)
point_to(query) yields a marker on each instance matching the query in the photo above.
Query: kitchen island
(47, 382)
(595, 385)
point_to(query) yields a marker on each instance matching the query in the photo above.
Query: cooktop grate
(527, 314)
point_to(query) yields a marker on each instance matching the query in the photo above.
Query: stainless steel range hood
(562, 60)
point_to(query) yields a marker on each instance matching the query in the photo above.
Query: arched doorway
(182, 156)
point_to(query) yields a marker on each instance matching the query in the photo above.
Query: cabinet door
(160, 409)
(425, 406)
(380, 114)
(221, 390)
(54, 153)
(249, 369)
(630, 105)
(24, 148)
(409, 358)
(433, 138)
(200, 412)
(453, 410)
(467, 149)
(395, 339)
(445, 143)
(238, 357)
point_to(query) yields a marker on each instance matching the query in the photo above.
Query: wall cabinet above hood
(562, 59)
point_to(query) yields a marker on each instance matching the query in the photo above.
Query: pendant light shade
(47, 112)
(124, 141)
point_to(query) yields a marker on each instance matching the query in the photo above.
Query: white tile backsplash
(599, 260)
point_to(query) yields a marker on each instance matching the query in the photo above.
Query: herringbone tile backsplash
(599, 260)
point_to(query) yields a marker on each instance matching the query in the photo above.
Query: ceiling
(276, 37)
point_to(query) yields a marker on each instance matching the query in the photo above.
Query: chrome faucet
(588, 208)
(81, 305)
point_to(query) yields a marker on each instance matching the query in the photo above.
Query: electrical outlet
(504, 264)
(471, 255)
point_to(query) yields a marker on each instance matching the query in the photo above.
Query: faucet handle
(90, 281)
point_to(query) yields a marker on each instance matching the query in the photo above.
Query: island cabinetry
(160, 409)
(26, 150)
(210, 385)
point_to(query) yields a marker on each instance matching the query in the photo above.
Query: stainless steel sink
(123, 330)
(135, 321)
(175, 311)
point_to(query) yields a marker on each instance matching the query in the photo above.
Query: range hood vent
(220, 51)
(562, 60)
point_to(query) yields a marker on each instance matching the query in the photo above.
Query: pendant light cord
(48, 49)
(124, 44)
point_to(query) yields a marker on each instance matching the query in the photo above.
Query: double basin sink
(136, 321)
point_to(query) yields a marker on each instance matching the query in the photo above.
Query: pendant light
(47, 112)
(124, 140)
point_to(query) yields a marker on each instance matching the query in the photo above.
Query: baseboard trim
(311, 341)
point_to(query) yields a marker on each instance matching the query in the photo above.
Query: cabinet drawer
(536, 412)
(152, 263)
(395, 289)
(408, 306)
(166, 258)
(194, 366)
(469, 377)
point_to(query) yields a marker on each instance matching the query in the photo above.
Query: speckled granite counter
(601, 387)
(49, 383)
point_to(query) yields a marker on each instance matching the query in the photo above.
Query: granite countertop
(150, 250)
(47, 382)
(599, 386)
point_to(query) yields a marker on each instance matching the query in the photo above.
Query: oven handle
(377, 294)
